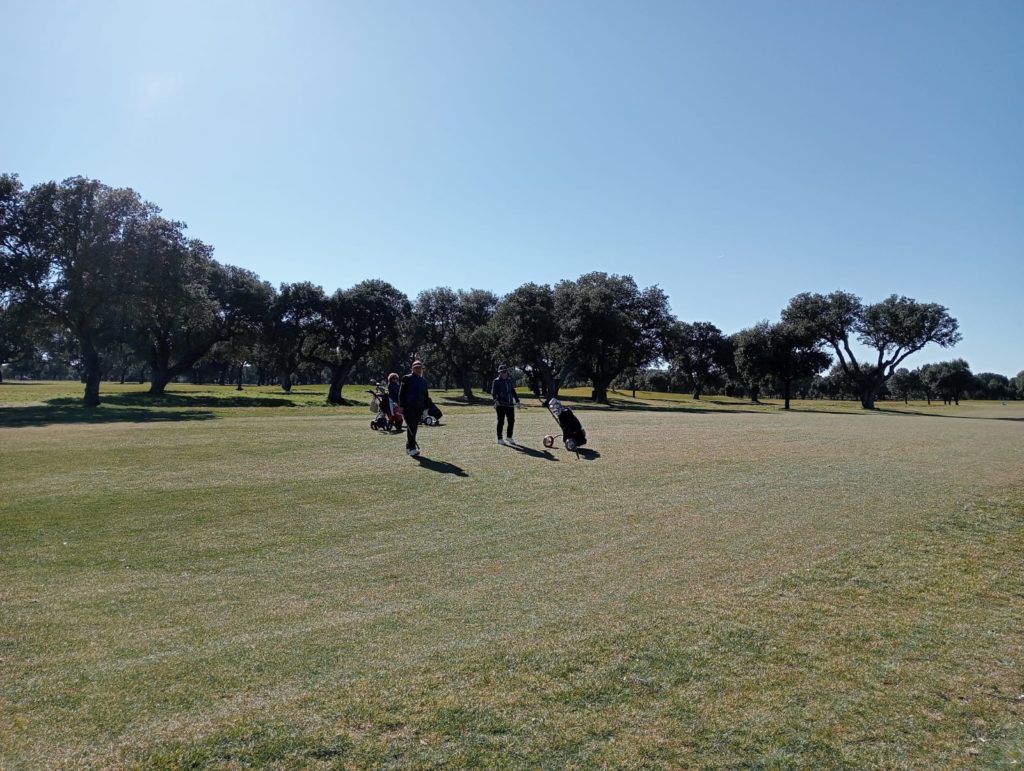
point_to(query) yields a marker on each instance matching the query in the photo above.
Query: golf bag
(431, 415)
(573, 435)
(572, 429)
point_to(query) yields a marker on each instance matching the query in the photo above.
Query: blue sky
(733, 153)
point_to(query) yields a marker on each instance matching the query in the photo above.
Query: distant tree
(895, 328)
(700, 352)
(906, 383)
(350, 325)
(472, 349)
(928, 376)
(527, 332)
(835, 384)
(434, 324)
(449, 328)
(752, 348)
(16, 332)
(293, 320)
(782, 352)
(1018, 384)
(951, 379)
(992, 385)
(608, 326)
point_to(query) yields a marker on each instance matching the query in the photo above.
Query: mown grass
(718, 585)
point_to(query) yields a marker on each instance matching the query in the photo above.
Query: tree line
(96, 280)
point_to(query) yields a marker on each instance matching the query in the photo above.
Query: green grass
(256, 579)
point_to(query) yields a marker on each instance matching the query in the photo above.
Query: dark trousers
(412, 421)
(505, 412)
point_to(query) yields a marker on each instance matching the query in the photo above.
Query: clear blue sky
(733, 153)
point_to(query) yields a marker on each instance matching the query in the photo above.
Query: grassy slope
(723, 585)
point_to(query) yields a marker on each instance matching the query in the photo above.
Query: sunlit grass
(723, 586)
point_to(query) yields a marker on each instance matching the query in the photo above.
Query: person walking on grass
(413, 397)
(503, 391)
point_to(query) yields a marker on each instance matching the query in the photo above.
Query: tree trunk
(786, 386)
(241, 369)
(867, 399)
(549, 383)
(91, 361)
(158, 382)
(337, 381)
(600, 392)
(286, 381)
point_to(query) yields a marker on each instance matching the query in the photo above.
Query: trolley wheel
(373, 424)
(430, 420)
(570, 445)
(549, 441)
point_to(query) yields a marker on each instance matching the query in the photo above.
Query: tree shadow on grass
(914, 413)
(695, 407)
(46, 415)
(137, 399)
(441, 466)
(860, 413)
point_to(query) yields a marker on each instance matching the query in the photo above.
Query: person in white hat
(413, 397)
(503, 391)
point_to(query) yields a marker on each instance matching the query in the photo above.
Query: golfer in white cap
(413, 398)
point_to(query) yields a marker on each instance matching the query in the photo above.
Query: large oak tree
(893, 329)
(65, 252)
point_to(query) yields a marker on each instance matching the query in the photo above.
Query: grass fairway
(237, 580)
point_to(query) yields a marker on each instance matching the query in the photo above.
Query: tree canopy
(94, 281)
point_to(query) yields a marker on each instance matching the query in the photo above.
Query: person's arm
(494, 389)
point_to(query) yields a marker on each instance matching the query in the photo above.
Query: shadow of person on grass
(441, 466)
(532, 452)
(585, 454)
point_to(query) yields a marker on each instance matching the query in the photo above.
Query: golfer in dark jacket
(505, 399)
(413, 398)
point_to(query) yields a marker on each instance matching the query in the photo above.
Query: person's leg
(511, 414)
(412, 420)
(501, 419)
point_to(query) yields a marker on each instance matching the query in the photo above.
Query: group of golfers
(412, 394)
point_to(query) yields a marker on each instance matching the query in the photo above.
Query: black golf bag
(571, 427)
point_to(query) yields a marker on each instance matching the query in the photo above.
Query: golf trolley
(387, 414)
(573, 436)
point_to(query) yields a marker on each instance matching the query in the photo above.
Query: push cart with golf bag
(573, 436)
(431, 415)
(387, 414)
